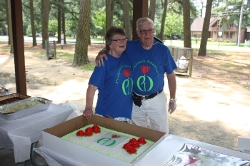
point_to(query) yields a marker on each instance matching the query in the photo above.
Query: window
(248, 36)
(229, 35)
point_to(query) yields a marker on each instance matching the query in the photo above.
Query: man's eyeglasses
(120, 40)
(147, 31)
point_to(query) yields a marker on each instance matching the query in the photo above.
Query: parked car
(174, 37)
(37, 35)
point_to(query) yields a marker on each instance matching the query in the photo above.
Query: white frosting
(105, 144)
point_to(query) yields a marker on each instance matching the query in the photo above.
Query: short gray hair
(142, 20)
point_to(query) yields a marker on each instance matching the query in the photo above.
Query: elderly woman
(113, 80)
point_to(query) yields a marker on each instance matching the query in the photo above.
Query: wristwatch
(173, 100)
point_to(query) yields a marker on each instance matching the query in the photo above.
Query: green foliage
(209, 39)
(230, 10)
(5, 50)
(67, 56)
(3, 29)
(157, 26)
(220, 40)
(194, 12)
(118, 18)
(99, 23)
(174, 24)
(53, 24)
(71, 15)
(26, 16)
(89, 66)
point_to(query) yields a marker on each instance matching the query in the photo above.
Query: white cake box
(52, 140)
(244, 144)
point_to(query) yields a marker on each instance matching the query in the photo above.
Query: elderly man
(151, 59)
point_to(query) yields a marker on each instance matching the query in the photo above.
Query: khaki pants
(152, 113)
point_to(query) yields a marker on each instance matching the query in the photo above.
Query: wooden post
(54, 42)
(18, 43)
(190, 62)
(140, 9)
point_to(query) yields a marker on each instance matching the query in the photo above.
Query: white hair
(140, 21)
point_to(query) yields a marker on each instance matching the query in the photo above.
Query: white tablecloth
(158, 155)
(19, 134)
(55, 159)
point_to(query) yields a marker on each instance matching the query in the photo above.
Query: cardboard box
(53, 142)
(244, 144)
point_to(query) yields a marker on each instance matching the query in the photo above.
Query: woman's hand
(87, 113)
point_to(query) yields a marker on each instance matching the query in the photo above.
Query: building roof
(197, 24)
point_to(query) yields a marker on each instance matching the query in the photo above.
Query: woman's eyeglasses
(120, 40)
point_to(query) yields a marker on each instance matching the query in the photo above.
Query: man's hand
(171, 106)
(172, 90)
(99, 58)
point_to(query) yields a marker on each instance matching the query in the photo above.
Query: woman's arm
(88, 112)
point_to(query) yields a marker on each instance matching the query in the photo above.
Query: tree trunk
(45, 21)
(59, 25)
(186, 23)
(163, 19)
(8, 3)
(204, 36)
(126, 19)
(63, 24)
(151, 13)
(32, 24)
(109, 13)
(83, 34)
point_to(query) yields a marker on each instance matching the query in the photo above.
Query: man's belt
(149, 96)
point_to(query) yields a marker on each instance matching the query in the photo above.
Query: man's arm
(88, 112)
(99, 58)
(172, 91)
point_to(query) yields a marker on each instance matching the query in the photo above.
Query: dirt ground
(212, 105)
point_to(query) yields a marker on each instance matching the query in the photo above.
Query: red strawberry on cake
(142, 140)
(96, 129)
(127, 146)
(80, 133)
(132, 140)
(131, 150)
(88, 131)
(135, 144)
(95, 126)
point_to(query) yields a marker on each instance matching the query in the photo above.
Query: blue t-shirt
(149, 66)
(115, 86)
